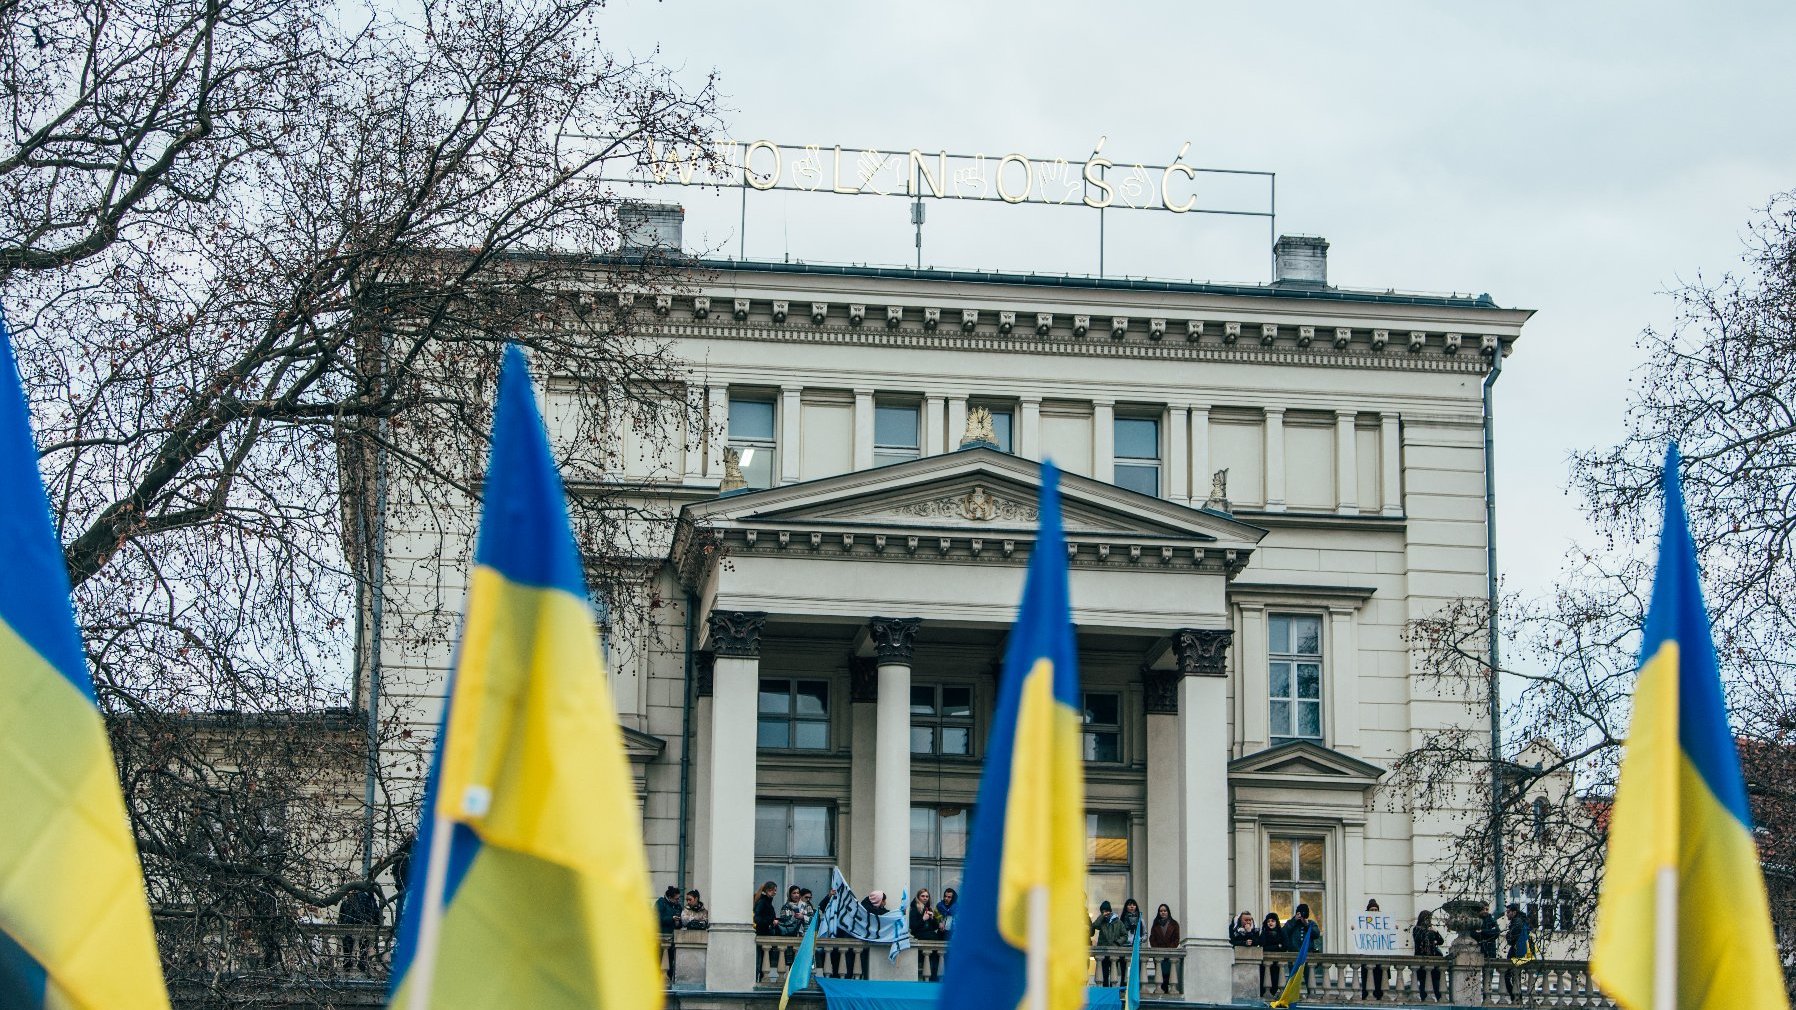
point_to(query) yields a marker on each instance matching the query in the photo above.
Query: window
(751, 436)
(895, 433)
(941, 719)
(1003, 421)
(795, 843)
(1137, 464)
(1294, 649)
(794, 714)
(938, 847)
(1295, 868)
(1548, 906)
(1107, 859)
(1103, 726)
(1540, 818)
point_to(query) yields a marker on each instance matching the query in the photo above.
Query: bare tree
(259, 261)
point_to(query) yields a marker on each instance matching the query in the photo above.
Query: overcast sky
(1578, 159)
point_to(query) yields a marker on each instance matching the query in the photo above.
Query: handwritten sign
(1373, 933)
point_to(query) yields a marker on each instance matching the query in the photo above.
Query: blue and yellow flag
(1680, 819)
(1294, 985)
(1025, 870)
(798, 977)
(1132, 992)
(74, 921)
(530, 823)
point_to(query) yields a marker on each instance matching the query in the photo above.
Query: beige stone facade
(1241, 648)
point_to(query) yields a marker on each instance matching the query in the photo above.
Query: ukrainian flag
(74, 923)
(1020, 937)
(530, 888)
(1682, 921)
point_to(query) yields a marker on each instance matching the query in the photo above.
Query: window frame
(888, 454)
(936, 865)
(1121, 869)
(1089, 729)
(1556, 898)
(938, 720)
(738, 442)
(789, 863)
(1298, 889)
(791, 716)
(1295, 698)
(1157, 462)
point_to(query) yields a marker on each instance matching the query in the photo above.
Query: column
(1201, 658)
(693, 468)
(790, 419)
(1250, 891)
(863, 694)
(1200, 456)
(863, 429)
(1178, 452)
(1390, 465)
(703, 672)
(1165, 832)
(1346, 465)
(1254, 688)
(1275, 459)
(1103, 440)
(934, 423)
(1341, 666)
(1026, 440)
(717, 424)
(735, 637)
(957, 420)
(893, 639)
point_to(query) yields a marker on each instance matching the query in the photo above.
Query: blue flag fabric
(1133, 1000)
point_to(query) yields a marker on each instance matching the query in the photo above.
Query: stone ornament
(1202, 652)
(704, 671)
(1219, 491)
(737, 633)
(732, 472)
(979, 429)
(1160, 691)
(977, 505)
(894, 638)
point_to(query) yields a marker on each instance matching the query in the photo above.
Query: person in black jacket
(667, 910)
(766, 924)
(1242, 932)
(1428, 942)
(1272, 941)
(1521, 944)
(359, 908)
(1301, 926)
(1487, 932)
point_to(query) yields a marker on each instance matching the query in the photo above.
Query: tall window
(1294, 650)
(751, 436)
(895, 433)
(1137, 464)
(1102, 717)
(938, 847)
(1107, 859)
(941, 719)
(1295, 866)
(1548, 906)
(794, 714)
(795, 843)
(1003, 422)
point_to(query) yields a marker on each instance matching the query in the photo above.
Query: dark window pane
(1281, 718)
(813, 697)
(922, 739)
(811, 735)
(1001, 428)
(1309, 680)
(957, 740)
(751, 419)
(773, 733)
(1102, 709)
(957, 701)
(810, 831)
(922, 699)
(1137, 438)
(1281, 679)
(1278, 634)
(895, 427)
(1309, 719)
(1101, 747)
(770, 829)
(954, 832)
(1309, 635)
(1141, 479)
(922, 832)
(776, 697)
(814, 877)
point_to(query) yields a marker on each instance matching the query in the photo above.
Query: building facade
(1263, 486)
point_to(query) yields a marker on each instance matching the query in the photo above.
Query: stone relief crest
(976, 505)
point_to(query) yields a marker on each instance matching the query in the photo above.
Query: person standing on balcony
(791, 917)
(1428, 942)
(667, 909)
(1376, 970)
(1164, 933)
(1108, 928)
(1487, 932)
(806, 908)
(1242, 932)
(1521, 944)
(695, 915)
(359, 910)
(764, 915)
(925, 924)
(944, 910)
(1131, 920)
(1272, 941)
(1300, 926)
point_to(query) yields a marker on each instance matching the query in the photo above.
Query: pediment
(1304, 763)
(967, 492)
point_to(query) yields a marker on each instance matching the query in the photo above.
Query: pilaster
(791, 421)
(1026, 440)
(863, 429)
(1390, 459)
(1200, 455)
(1346, 465)
(1178, 455)
(1275, 459)
(1103, 440)
(936, 432)
(717, 423)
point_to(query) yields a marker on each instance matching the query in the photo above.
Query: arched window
(1540, 818)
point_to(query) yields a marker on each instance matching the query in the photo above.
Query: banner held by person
(75, 926)
(1020, 937)
(843, 914)
(529, 842)
(1682, 855)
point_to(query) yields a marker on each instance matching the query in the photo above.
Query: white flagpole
(430, 921)
(1665, 939)
(1038, 948)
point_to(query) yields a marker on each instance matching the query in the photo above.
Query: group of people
(1110, 929)
(1276, 936)
(670, 914)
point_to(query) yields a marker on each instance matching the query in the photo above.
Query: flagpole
(430, 920)
(1038, 948)
(1665, 939)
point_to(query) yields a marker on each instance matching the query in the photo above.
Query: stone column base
(689, 949)
(1209, 971)
(1246, 972)
(730, 957)
(883, 968)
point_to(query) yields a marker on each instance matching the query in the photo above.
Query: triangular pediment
(970, 491)
(1303, 762)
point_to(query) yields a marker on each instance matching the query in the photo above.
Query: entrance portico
(907, 576)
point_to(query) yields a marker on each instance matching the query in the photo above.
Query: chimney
(650, 227)
(1300, 260)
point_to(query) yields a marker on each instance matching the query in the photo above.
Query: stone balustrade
(1466, 978)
